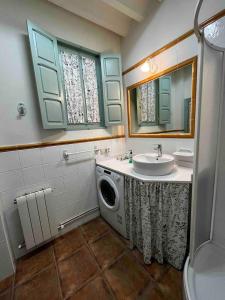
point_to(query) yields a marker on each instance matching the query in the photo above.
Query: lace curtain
(81, 88)
(157, 219)
(73, 87)
(91, 89)
(147, 102)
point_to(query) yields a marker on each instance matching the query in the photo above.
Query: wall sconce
(149, 66)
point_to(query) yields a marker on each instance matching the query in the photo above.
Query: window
(147, 103)
(72, 84)
(153, 102)
(82, 88)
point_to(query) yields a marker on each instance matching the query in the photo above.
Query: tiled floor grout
(141, 262)
(109, 286)
(82, 286)
(126, 250)
(109, 266)
(95, 239)
(57, 272)
(93, 256)
(34, 275)
(65, 258)
(69, 255)
(88, 244)
(164, 274)
(13, 286)
(101, 269)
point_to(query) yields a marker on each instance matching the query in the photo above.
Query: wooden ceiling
(115, 15)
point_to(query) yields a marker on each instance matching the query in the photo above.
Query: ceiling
(115, 15)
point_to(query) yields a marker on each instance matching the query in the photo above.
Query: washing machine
(110, 188)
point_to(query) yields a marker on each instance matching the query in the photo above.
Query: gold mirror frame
(193, 62)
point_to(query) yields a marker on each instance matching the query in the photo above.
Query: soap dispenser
(130, 156)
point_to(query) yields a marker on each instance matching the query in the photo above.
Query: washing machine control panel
(116, 177)
(100, 171)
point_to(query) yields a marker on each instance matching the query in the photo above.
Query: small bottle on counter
(130, 156)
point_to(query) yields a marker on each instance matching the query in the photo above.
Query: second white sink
(151, 165)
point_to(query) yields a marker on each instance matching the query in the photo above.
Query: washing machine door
(108, 193)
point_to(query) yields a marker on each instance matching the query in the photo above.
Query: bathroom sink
(151, 165)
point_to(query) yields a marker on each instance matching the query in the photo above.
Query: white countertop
(180, 174)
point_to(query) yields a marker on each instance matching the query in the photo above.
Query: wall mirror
(163, 105)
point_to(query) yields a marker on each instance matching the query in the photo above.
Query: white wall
(143, 145)
(16, 73)
(173, 56)
(166, 21)
(6, 260)
(73, 184)
(28, 170)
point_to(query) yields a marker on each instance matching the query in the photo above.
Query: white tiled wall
(73, 183)
(6, 262)
(142, 145)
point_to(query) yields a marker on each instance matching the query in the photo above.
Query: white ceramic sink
(151, 165)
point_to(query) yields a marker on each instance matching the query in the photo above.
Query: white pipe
(73, 219)
(196, 156)
(196, 15)
(219, 140)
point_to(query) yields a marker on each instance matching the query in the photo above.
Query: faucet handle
(157, 146)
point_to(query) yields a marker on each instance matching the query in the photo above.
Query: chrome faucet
(158, 147)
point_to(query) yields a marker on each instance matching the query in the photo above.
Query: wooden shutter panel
(164, 95)
(187, 109)
(45, 58)
(112, 89)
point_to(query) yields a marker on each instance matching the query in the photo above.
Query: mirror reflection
(163, 105)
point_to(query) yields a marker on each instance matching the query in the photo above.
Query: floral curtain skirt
(157, 219)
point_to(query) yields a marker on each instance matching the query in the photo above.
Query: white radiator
(34, 217)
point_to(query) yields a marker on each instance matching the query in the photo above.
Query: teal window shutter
(187, 109)
(164, 95)
(45, 58)
(112, 89)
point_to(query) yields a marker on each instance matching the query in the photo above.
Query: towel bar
(96, 150)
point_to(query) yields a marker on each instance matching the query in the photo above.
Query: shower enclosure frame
(203, 236)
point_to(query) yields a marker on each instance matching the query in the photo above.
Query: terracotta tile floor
(91, 262)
